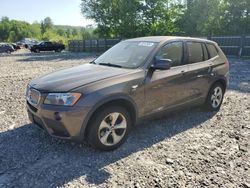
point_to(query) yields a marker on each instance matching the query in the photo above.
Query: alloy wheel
(112, 129)
(216, 97)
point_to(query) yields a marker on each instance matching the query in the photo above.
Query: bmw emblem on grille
(33, 96)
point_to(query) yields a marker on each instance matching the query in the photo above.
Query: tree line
(13, 31)
(133, 18)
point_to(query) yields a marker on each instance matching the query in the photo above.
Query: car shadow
(31, 158)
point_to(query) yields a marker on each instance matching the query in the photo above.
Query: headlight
(63, 99)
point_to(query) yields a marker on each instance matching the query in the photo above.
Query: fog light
(57, 116)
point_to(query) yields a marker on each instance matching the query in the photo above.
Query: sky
(62, 12)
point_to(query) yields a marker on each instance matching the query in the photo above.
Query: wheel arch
(122, 100)
(222, 81)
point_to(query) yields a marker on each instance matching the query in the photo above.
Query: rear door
(166, 88)
(49, 46)
(200, 69)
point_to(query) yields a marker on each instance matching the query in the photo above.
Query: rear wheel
(109, 128)
(37, 51)
(215, 97)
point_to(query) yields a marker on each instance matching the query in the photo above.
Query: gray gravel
(191, 148)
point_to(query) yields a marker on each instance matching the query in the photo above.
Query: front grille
(34, 109)
(33, 96)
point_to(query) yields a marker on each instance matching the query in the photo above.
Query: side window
(212, 50)
(195, 52)
(47, 43)
(173, 51)
(205, 52)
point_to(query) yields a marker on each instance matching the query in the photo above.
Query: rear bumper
(60, 122)
(227, 78)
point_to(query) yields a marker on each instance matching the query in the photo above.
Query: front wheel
(215, 97)
(109, 128)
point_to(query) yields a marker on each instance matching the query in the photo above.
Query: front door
(166, 88)
(48, 46)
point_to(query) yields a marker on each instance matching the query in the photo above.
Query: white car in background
(28, 42)
(6, 48)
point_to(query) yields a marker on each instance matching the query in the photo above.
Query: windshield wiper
(92, 62)
(110, 65)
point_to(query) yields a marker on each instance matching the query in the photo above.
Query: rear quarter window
(212, 50)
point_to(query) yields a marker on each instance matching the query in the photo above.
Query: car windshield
(127, 54)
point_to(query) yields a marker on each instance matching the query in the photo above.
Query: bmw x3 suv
(101, 101)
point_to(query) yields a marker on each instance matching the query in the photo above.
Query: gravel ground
(191, 148)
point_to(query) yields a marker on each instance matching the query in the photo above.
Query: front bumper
(60, 122)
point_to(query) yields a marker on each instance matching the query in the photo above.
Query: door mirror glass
(162, 64)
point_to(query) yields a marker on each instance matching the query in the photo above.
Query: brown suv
(102, 100)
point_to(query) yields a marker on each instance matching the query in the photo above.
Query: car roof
(167, 38)
(4, 44)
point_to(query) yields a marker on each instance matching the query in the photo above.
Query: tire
(37, 50)
(215, 97)
(8, 52)
(102, 130)
(59, 50)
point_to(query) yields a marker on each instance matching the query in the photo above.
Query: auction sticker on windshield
(146, 44)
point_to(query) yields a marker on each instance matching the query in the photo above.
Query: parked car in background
(27, 42)
(47, 46)
(136, 78)
(15, 46)
(6, 48)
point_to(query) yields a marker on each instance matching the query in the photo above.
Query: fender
(102, 101)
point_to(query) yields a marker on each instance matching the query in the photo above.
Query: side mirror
(162, 64)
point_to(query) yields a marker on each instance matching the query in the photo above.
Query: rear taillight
(227, 63)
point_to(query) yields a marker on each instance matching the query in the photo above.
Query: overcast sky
(62, 12)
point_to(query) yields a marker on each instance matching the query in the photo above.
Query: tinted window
(48, 43)
(173, 51)
(195, 52)
(212, 50)
(205, 52)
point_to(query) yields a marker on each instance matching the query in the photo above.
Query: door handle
(210, 69)
(200, 76)
(183, 72)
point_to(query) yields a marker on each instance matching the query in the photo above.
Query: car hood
(68, 79)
